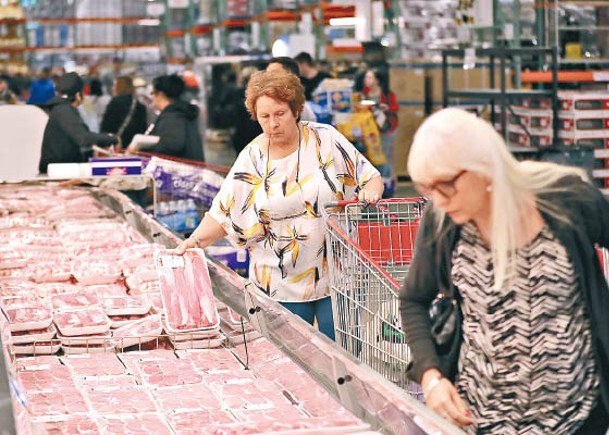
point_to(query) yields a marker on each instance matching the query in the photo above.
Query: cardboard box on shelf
(517, 136)
(543, 103)
(531, 118)
(593, 138)
(577, 100)
(409, 120)
(583, 120)
(408, 84)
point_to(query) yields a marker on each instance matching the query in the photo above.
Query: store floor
(224, 155)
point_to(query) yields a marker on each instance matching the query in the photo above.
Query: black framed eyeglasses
(446, 188)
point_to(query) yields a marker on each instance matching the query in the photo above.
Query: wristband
(432, 384)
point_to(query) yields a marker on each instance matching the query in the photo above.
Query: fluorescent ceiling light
(344, 22)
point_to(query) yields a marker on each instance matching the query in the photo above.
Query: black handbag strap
(127, 120)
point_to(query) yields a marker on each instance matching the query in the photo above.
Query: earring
(489, 188)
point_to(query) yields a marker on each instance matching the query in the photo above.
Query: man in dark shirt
(66, 135)
(310, 77)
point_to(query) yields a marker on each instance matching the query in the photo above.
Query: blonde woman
(515, 240)
(271, 200)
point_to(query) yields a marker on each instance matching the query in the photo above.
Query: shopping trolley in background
(370, 248)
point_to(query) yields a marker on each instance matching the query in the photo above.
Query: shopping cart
(370, 248)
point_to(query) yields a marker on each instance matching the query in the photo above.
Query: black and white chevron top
(526, 364)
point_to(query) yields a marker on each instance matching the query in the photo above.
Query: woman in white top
(271, 200)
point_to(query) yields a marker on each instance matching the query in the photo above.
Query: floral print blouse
(273, 207)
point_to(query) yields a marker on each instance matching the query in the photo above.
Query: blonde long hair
(453, 140)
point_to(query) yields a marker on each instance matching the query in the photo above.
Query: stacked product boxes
(584, 122)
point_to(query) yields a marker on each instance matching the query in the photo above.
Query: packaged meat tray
(75, 301)
(197, 396)
(20, 301)
(106, 347)
(29, 318)
(97, 365)
(139, 332)
(157, 302)
(10, 258)
(56, 401)
(135, 255)
(82, 322)
(50, 272)
(106, 381)
(126, 305)
(48, 290)
(129, 400)
(83, 340)
(29, 337)
(186, 291)
(162, 373)
(38, 348)
(107, 290)
(146, 272)
(42, 372)
(120, 321)
(82, 424)
(132, 424)
(202, 421)
(212, 360)
(95, 272)
(202, 343)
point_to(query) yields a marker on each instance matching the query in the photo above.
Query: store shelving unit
(12, 37)
(501, 96)
(580, 28)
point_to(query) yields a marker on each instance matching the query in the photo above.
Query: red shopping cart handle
(345, 202)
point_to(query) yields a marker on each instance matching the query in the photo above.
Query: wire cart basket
(370, 248)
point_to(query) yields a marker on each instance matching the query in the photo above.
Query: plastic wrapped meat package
(83, 322)
(29, 318)
(12, 258)
(89, 348)
(211, 360)
(16, 287)
(200, 421)
(138, 332)
(49, 347)
(130, 400)
(87, 382)
(48, 290)
(130, 359)
(95, 272)
(131, 424)
(93, 365)
(259, 394)
(82, 424)
(167, 373)
(191, 397)
(20, 300)
(126, 305)
(136, 255)
(34, 336)
(107, 290)
(33, 362)
(75, 301)
(40, 377)
(186, 291)
(55, 400)
(146, 272)
(51, 271)
(120, 321)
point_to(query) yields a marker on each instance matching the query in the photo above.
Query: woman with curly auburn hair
(271, 200)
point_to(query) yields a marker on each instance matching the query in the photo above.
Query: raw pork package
(131, 424)
(82, 424)
(29, 318)
(75, 301)
(186, 291)
(169, 372)
(83, 322)
(34, 336)
(50, 401)
(129, 400)
(138, 332)
(94, 365)
(90, 271)
(126, 305)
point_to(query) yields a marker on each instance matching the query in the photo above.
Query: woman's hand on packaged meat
(188, 243)
(443, 398)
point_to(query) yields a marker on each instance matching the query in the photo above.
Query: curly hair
(279, 85)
